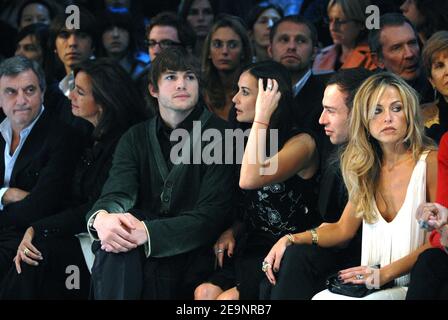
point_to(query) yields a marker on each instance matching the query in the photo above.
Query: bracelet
(267, 125)
(290, 237)
(314, 237)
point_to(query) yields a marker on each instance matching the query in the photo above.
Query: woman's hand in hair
(267, 100)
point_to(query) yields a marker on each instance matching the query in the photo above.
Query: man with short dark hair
(38, 159)
(166, 30)
(157, 218)
(293, 43)
(305, 268)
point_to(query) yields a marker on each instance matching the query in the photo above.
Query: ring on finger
(219, 251)
(26, 251)
(359, 277)
(265, 266)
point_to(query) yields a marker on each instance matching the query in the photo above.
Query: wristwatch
(90, 225)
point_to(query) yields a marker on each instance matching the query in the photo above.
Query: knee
(231, 294)
(207, 291)
(297, 255)
(428, 259)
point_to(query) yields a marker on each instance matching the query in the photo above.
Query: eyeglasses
(337, 22)
(163, 44)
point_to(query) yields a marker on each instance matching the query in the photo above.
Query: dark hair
(175, 59)
(348, 81)
(18, 64)
(44, 3)
(281, 119)
(123, 21)
(298, 20)
(258, 10)
(185, 5)
(88, 25)
(387, 20)
(436, 16)
(213, 86)
(40, 32)
(185, 32)
(113, 89)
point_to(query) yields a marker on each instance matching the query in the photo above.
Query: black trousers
(304, 270)
(429, 277)
(62, 274)
(9, 242)
(131, 275)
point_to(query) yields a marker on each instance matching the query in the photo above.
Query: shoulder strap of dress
(424, 155)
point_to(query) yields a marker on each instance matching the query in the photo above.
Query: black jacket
(44, 168)
(91, 172)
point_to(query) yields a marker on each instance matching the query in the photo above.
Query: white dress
(385, 242)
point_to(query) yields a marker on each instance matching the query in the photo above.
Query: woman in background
(226, 50)
(346, 22)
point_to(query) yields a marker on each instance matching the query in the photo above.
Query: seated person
(279, 196)
(302, 281)
(429, 277)
(105, 97)
(39, 154)
(389, 168)
(157, 216)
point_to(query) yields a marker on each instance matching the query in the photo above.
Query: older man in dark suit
(38, 155)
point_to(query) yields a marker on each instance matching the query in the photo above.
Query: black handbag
(351, 289)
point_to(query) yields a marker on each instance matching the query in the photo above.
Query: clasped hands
(434, 216)
(119, 232)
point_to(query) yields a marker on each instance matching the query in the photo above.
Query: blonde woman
(389, 167)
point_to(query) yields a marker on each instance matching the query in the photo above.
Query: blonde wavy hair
(361, 160)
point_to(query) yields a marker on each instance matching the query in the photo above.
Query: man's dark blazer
(308, 103)
(44, 167)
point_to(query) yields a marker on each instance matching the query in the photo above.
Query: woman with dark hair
(119, 43)
(200, 14)
(32, 42)
(259, 22)
(104, 96)
(346, 22)
(226, 50)
(35, 11)
(428, 16)
(279, 191)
